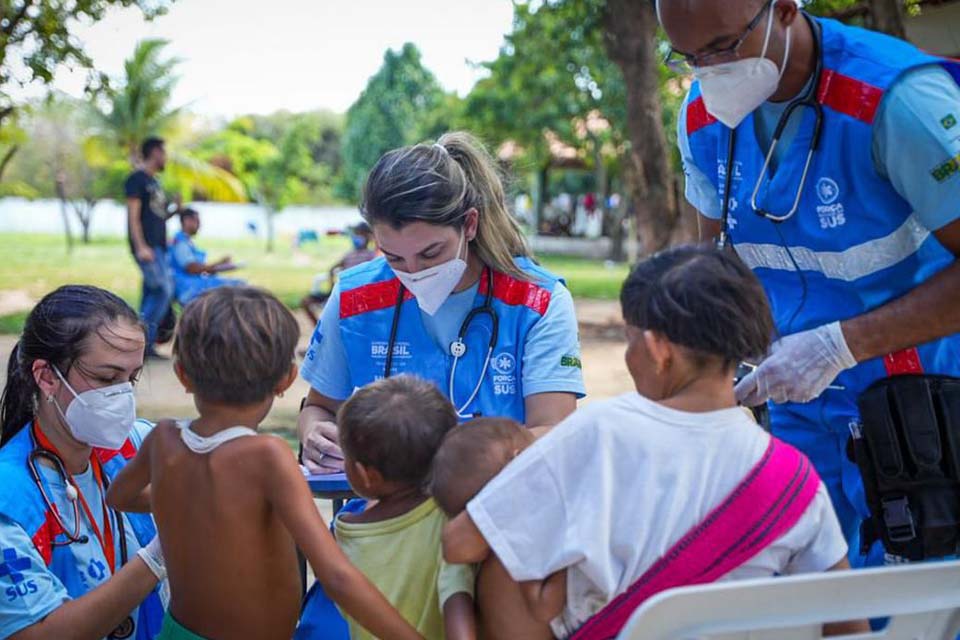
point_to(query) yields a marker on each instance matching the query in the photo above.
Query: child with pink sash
(669, 486)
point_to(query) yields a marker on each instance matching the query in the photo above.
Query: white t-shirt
(610, 489)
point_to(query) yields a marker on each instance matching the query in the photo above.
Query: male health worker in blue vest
(850, 216)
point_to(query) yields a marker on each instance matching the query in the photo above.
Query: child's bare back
(223, 542)
(232, 506)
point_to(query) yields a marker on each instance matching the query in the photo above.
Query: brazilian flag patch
(571, 361)
(949, 121)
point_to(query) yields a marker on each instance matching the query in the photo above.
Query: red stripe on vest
(849, 96)
(516, 292)
(44, 537)
(128, 451)
(370, 297)
(697, 116)
(903, 362)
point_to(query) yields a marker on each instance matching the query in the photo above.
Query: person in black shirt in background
(147, 215)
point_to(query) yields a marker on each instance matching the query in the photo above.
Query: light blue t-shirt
(325, 364)
(183, 253)
(29, 592)
(915, 131)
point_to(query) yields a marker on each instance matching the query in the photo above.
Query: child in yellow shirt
(389, 433)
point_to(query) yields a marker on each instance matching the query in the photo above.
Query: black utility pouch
(907, 446)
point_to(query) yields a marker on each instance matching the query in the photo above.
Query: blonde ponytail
(438, 184)
(499, 238)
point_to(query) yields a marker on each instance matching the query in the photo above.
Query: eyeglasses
(684, 63)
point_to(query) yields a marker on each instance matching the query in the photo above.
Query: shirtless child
(231, 506)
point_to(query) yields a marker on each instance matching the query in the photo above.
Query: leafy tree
(391, 112)
(12, 138)
(881, 15)
(298, 169)
(66, 161)
(567, 62)
(280, 181)
(36, 36)
(553, 82)
(139, 106)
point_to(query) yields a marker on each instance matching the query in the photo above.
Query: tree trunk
(7, 157)
(618, 251)
(887, 16)
(631, 27)
(270, 214)
(62, 194)
(84, 213)
(687, 229)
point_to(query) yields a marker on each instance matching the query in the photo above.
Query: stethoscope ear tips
(72, 494)
(458, 348)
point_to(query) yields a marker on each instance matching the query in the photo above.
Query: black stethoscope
(39, 453)
(807, 100)
(458, 348)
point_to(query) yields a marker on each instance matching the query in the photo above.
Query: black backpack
(907, 446)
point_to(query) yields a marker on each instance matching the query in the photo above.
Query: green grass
(38, 264)
(12, 323)
(588, 278)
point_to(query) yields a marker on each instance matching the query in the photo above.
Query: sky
(260, 56)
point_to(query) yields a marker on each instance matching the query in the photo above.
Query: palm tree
(140, 107)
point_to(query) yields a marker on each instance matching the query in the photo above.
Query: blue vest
(368, 301)
(855, 240)
(22, 503)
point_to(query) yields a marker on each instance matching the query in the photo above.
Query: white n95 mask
(433, 285)
(100, 417)
(733, 90)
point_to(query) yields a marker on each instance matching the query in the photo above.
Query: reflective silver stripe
(851, 264)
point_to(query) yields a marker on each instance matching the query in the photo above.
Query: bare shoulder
(161, 435)
(263, 449)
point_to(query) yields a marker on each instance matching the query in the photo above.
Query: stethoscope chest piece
(458, 348)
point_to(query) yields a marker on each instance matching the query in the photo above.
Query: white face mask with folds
(433, 285)
(100, 417)
(733, 90)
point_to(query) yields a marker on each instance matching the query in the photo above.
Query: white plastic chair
(923, 602)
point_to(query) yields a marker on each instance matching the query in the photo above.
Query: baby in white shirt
(566, 523)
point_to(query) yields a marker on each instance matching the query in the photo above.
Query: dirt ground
(159, 395)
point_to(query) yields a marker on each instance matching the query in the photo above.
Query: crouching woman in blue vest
(69, 566)
(456, 299)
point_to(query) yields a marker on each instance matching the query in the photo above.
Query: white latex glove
(799, 368)
(152, 556)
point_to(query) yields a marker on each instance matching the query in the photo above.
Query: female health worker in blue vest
(69, 566)
(456, 299)
(850, 216)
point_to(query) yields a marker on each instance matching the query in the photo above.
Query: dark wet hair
(395, 425)
(439, 184)
(470, 456)
(149, 145)
(701, 298)
(236, 344)
(56, 331)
